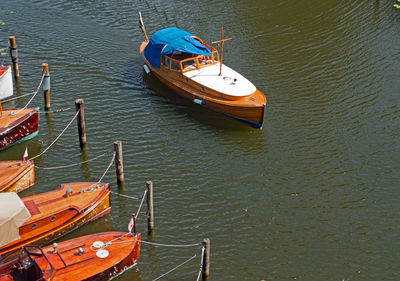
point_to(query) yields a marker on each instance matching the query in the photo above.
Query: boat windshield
(183, 62)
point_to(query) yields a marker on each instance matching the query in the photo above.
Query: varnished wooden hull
(249, 109)
(67, 264)
(17, 125)
(54, 214)
(16, 176)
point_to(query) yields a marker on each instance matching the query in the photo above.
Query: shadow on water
(185, 107)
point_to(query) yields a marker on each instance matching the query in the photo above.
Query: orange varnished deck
(8, 116)
(54, 214)
(68, 264)
(16, 176)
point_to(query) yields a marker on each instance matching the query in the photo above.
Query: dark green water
(313, 195)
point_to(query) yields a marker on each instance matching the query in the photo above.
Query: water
(313, 195)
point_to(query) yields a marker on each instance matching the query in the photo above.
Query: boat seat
(27, 270)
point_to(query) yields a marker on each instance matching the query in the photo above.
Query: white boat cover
(13, 214)
(6, 83)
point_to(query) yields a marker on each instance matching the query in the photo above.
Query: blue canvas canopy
(168, 40)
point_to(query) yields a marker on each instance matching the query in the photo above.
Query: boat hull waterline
(17, 125)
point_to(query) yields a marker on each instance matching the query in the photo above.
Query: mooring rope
(55, 111)
(105, 172)
(123, 195)
(141, 203)
(201, 262)
(14, 98)
(69, 124)
(37, 90)
(71, 165)
(176, 267)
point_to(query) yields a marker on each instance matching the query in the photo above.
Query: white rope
(71, 165)
(105, 172)
(141, 203)
(37, 90)
(201, 263)
(169, 245)
(175, 268)
(14, 98)
(123, 195)
(56, 137)
(157, 244)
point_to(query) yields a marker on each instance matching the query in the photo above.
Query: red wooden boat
(48, 216)
(194, 70)
(100, 256)
(16, 176)
(17, 125)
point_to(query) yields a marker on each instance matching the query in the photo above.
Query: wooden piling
(46, 85)
(119, 165)
(81, 122)
(206, 259)
(150, 210)
(14, 56)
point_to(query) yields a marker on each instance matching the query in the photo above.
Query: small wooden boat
(16, 176)
(51, 214)
(100, 256)
(6, 82)
(195, 70)
(17, 125)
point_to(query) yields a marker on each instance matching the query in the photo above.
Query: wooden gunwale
(16, 175)
(26, 123)
(65, 219)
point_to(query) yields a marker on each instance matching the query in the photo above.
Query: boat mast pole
(222, 48)
(141, 25)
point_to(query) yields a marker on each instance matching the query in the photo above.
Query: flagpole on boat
(141, 24)
(222, 48)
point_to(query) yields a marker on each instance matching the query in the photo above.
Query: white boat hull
(6, 84)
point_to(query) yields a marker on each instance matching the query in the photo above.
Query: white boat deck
(226, 83)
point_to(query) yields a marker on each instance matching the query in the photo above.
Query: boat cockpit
(183, 62)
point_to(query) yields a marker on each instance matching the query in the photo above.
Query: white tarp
(13, 214)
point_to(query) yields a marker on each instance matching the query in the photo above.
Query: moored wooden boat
(100, 256)
(52, 214)
(6, 82)
(194, 70)
(17, 125)
(16, 176)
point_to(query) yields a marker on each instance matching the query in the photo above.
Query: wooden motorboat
(195, 70)
(16, 176)
(17, 125)
(6, 82)
(100, 256)
(50, 214)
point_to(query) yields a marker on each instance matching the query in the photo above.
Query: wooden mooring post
(46, 85)
(119, 165)
(150, 210)
(81, 122)
(206, 259)
(14, 56)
